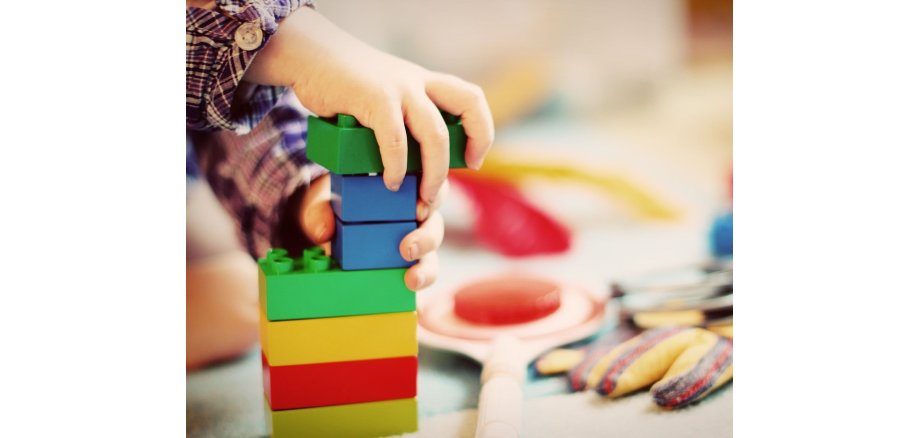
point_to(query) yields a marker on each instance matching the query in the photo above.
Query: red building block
(336, 383)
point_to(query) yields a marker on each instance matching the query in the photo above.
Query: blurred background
(635, 94)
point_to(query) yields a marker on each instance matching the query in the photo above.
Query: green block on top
(345, 147)
(313, 287)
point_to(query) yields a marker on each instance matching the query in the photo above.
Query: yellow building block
(383, 418)
(319, 340)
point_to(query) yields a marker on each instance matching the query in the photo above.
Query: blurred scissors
(693, 295)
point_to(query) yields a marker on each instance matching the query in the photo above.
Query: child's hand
(332, 72)
(318, 223)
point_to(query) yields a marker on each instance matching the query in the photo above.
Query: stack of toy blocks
(339, 350)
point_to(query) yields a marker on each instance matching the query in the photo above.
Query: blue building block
(720, 236)
(364, 198)
(373, 245)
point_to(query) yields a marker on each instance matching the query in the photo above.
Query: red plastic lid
(507, 300)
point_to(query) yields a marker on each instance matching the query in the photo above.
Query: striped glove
(682, 365)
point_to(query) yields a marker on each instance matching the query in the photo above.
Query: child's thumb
(316, 217)
(318, 222)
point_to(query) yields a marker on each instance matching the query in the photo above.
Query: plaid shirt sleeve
(254, 175)
(249, 140)
(219, 46)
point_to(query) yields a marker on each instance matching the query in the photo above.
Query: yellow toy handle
(644, 203)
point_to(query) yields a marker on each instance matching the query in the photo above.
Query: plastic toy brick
(364, 198)
(339, 383)
(372, 245)
(346, 338)
(383, 418)
(314, 287)
(720, 236)
(345, 147)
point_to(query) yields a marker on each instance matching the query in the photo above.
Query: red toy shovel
(506, 222)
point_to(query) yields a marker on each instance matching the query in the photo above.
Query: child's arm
(332, 72)
(249, 138)
(222, 38)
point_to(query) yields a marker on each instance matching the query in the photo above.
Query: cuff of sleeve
(220, 46)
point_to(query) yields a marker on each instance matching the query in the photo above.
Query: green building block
(314, 287)
(383, 418)
(345, 147)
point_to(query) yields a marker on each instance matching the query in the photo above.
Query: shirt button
(248, 36)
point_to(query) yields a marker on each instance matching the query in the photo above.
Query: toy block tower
(339, 349)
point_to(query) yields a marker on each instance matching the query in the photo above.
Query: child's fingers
(427, 126)
(423, 273)
(316, 217)
(424, 209)
(462, 98)
(386, 119)
(423, 240)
